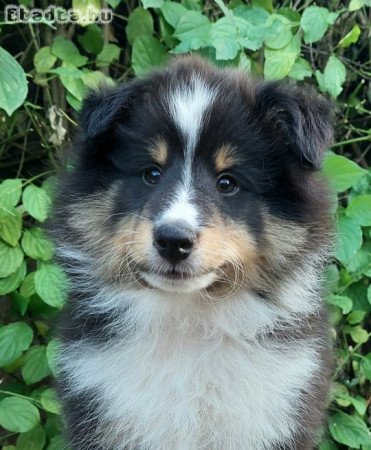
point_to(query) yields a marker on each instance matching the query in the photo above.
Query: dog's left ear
(303, 119)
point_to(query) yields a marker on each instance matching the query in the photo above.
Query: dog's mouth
(177, 280)
(172, 274)
(175, 274)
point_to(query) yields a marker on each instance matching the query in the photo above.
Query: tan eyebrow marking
(159, 151)
(225, 157)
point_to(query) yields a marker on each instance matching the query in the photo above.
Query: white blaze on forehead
(188, 105)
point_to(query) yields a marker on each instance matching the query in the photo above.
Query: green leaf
(359, 263)
(355, 5)
(54, 427)
(73, 101)
(278, 34)
(266, 4)
(32, 440)
(315, 22)
(278, 63)
(358, 293)
(13, 83)
(350, 38)
(300, 70)
(224, 38)
(355, 317)
(332, 79)
(10, 193)
(140, 23)
(349, 430)
(19, 303)
(96, 79)
(358, 402)
(166, 33)
(50, 184)
(52, 350)
(230, 34)
(194, 5)
(147, 53)
(327, 445)
(349, 238)
(172, 13)
(342, 173)
(67, 51)
(291, 14)
(18, 415)
(35, 367)
(152, 3)
(57, 443)
(51, 285)
(49, 401)
(110, 53)
(28, 286)
(10, 226)
(10, 259)
(36, 245)
(87, 10)
(44, 60)
(37, 202)
(68, 70)
(15, 338)
(341, 301)
(92, 40)
(358, 334)
(71, 80)
(193, 30)
(331, 278)
(252, 25)
(360, 210)
(257, 17)
(13, 281)
(366, 366)
(244, 63)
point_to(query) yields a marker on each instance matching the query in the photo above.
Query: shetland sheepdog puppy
(194, 228)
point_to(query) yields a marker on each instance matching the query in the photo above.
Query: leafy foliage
(45, 72)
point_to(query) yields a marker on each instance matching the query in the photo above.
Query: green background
(45, 72)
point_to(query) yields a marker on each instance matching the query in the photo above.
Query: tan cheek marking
(226, 242)
(142, 241)
(119, 243)
(232, 250)
(111, 249)
(225, 157)
(159, 152)
(127, 248)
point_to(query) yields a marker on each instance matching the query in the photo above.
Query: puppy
(194, 228)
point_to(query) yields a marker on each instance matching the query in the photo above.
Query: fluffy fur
(227, 348)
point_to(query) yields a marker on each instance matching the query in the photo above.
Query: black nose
(174, 242)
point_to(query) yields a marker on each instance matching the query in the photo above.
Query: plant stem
(351, 141)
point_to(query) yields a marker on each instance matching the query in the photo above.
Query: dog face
(197, 179)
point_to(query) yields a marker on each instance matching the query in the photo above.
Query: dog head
(196, 178)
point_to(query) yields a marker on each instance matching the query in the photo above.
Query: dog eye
(226, 184)
(152, 175)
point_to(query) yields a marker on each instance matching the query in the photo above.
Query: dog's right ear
(102, 107)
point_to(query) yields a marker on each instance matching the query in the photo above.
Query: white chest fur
(187, 380)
